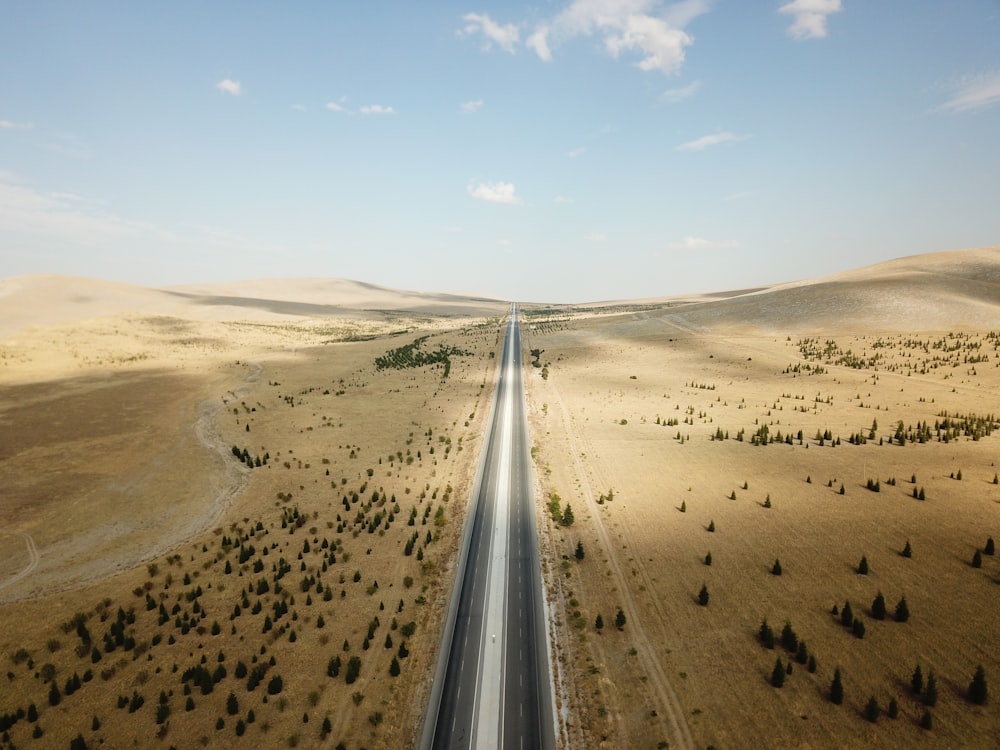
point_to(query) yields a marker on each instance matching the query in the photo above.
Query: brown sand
(695, 676)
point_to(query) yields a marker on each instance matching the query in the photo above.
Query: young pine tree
(931, 691)
(977, 559)
(837, 688)
(847, 615)
(778, 674)
(990, 548)
(907, 550)
(766, 635)
(703, 596)
(872, 710)
(878, 607)
(863, 566)
(917, 681)
(977, 688)
(789, 640)
(902, 611)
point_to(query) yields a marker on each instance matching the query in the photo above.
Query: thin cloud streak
(688, 242)
(974, 93)
(700, 144)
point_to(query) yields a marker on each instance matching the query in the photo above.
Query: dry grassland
(645, 424)
(158, 592)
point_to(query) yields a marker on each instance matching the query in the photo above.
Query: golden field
(147, 573)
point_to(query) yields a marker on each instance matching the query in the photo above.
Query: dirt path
(33, 558)
(229, 478)
(676, 724)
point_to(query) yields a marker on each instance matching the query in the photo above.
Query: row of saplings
(925, 690)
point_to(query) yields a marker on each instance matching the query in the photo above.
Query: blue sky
(570, 150)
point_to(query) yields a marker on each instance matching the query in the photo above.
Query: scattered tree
(579, 551)
(766, 635)
(789, 640)
(711, 525)
(931, 691)
(872, 710)
(620, 619)
(778, 673)
(858, 628)
(776, 568)
(863, 566)
(927, 721)
(567, 516)
(902, 611)
(917, 681)
(893, 710)
(708, 558)
(907, 550)
(599, 623)
(990, 548)
(878, 607)
(703, 595)
(977, 559)
(977, 688)
(837, 688)
(847, 615)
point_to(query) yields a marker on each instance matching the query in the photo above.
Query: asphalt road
(496, 687)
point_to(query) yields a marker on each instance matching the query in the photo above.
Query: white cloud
(377, 109)
(229, 86)
(539, 42)
(974, 92)
(494, 192)
(8, 125)
(470, 107)
(809, 17)
(563, 200)
(626, 26)
(680, 94)
(505, 36)
(688, 242)
(699, 144)
(641, 27)
(580, 151)
(334, 107)
(597, 237)
(299, 107)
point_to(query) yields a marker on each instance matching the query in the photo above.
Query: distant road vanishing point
(493, 685)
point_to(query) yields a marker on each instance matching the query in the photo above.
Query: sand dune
(47, 300)
(936, 291)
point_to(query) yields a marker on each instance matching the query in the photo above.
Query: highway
(495, 687)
